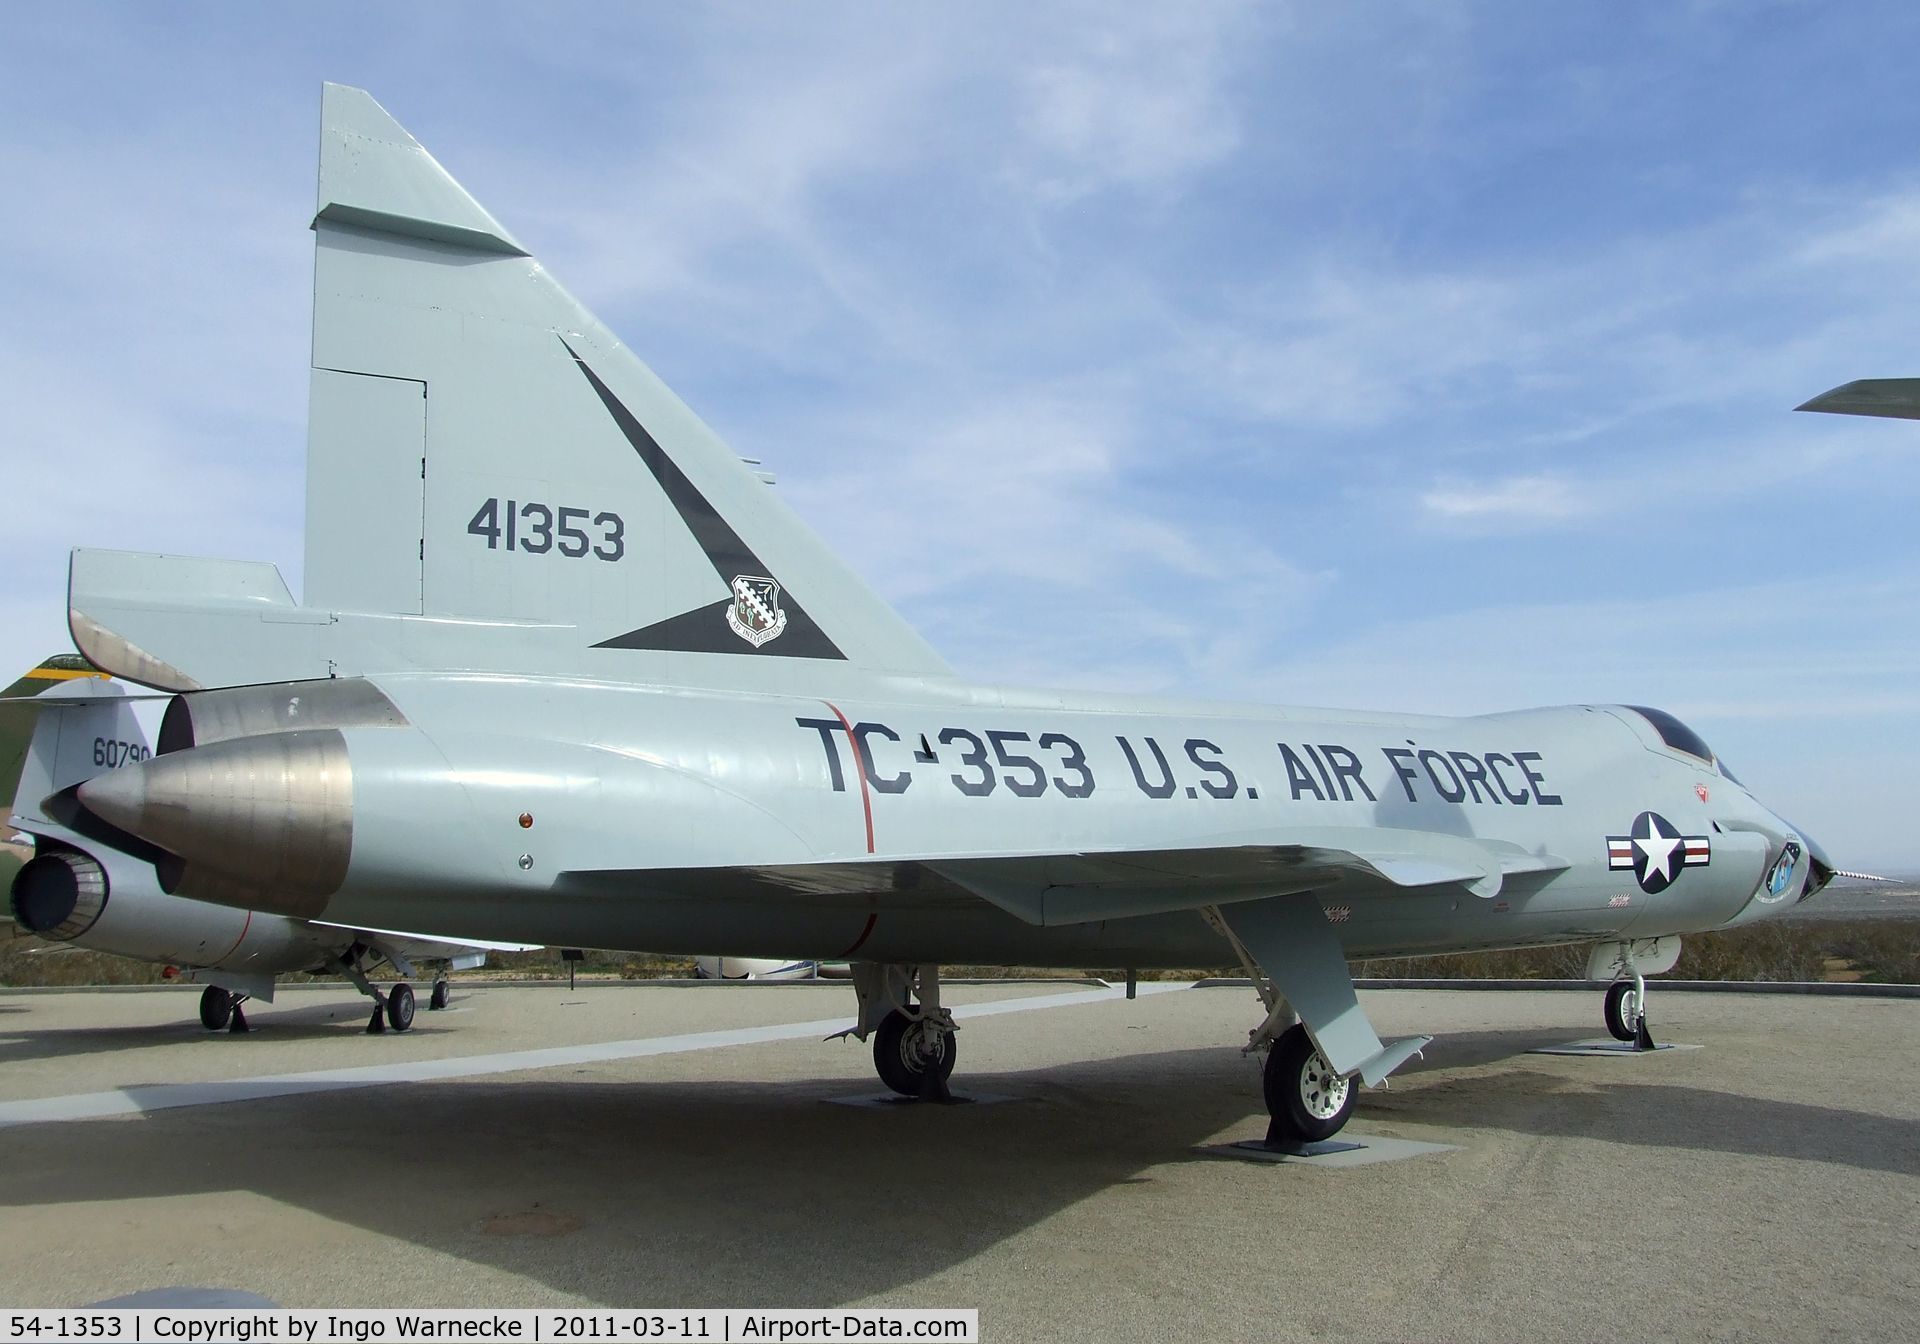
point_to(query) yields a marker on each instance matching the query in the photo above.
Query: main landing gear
(392, 1009)
(220, 1010)
(1625, 1011)
(1307, 1102)
(913, 1041)
(1320, 1046)
(913, 1057)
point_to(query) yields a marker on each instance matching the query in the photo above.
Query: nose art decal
(1780, 876)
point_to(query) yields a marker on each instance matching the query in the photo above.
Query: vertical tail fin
(527, 465)
(493, 482)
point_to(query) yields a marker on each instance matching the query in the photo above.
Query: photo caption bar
(285, 1326)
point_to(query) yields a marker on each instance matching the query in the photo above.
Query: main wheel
(1306, 1098)
(400, 1006)
(898, 1058)
(438, 999)
(1622, 1010)
(216, 1008)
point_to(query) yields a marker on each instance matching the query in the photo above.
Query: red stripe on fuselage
(865, 933)
(236, 942)
(860, 766)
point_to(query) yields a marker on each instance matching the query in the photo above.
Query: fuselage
(568, 811)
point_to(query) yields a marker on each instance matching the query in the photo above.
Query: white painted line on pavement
(167, 1096)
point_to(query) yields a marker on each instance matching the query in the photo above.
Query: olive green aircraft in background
(17, 730)
(568, 671)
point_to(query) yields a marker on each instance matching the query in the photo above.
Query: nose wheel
(1625, 1012)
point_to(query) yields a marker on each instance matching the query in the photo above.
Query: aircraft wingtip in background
(1888, 398)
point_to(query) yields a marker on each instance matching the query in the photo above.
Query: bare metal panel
(245, 711)
(263, 822)
(122, 657)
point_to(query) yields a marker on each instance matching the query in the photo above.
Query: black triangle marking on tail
(705, 629)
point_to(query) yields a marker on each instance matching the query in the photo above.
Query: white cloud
(1135, 103)
(1013, 533)
(1517, 500)
(1878, 234)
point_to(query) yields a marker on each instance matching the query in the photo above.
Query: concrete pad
(1350, 1150)
(1608, 1046)
(894, 1101)
(1765, 1184)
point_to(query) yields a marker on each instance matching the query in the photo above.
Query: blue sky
(1434, 357)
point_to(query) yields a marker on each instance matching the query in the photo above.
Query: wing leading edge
(1076, 888)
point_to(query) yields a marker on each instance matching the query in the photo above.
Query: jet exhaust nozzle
(58, 895)
(262, 822)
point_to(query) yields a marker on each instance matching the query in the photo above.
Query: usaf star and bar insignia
(1656, 852)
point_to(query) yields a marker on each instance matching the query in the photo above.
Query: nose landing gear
(1627, 965)
(1625, 1011)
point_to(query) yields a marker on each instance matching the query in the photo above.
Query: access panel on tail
(493, 481)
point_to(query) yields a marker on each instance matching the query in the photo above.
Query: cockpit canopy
(1681, 738)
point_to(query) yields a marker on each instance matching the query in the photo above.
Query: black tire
(1622, 1025)
(400, 1006)
(1307, 1103)
(897, 1057)
(438, 999)
(216, 1008)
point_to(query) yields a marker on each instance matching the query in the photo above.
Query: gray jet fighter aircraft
(568, 671)
(62, 723)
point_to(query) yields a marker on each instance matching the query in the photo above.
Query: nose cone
(262, 822)
(1820, 869)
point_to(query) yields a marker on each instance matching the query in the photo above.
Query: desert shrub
(1877, 950)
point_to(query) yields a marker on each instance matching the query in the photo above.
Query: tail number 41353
(524, 525)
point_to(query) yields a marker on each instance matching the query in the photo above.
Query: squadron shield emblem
(755, 613)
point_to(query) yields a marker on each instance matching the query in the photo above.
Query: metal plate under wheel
(1327, 1153)
(887, 1101)
(1606, 1047)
